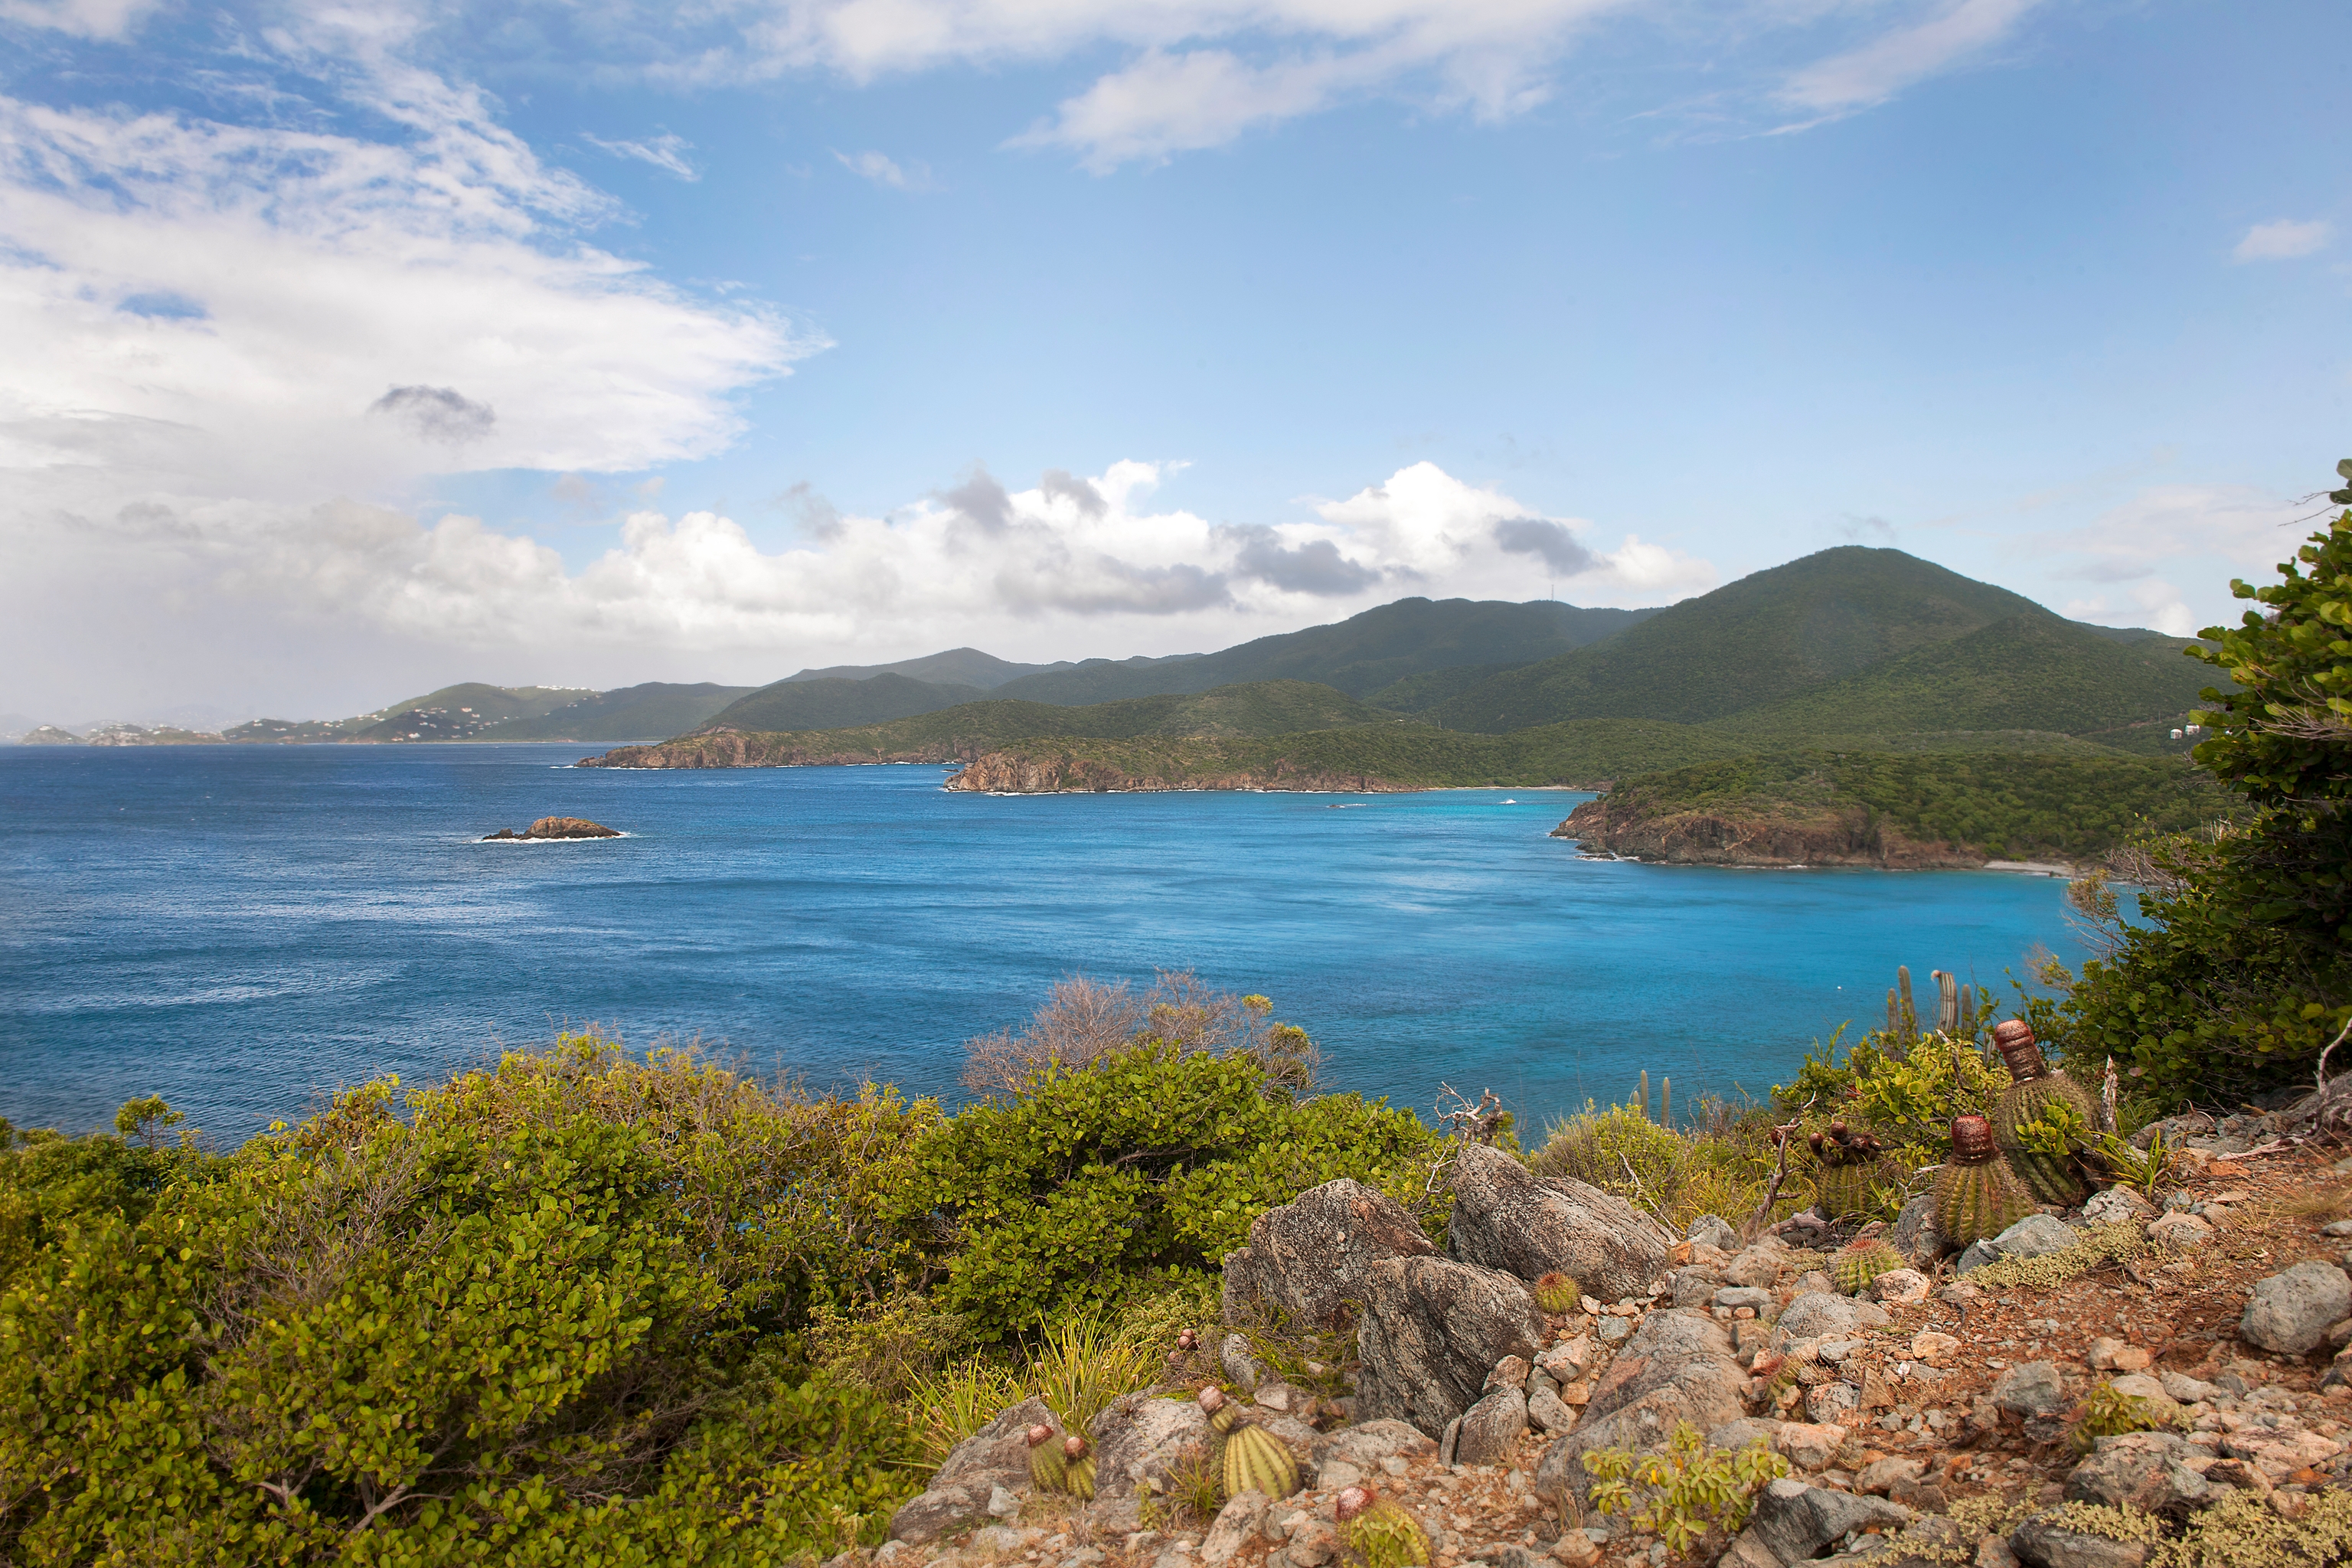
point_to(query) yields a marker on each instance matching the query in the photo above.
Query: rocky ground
(1935, 1423)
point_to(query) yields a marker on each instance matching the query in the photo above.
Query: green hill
(465, 711)
(1763, 639)
(835, 704)
(1822, 807)
(1358, 656)
(2028, 672)
(956, 667)
(645, 712)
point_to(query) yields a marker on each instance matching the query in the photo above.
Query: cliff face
(1020, 773)
(1849, 838)
(734, 749)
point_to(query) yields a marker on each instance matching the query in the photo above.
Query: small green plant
(2108, 1413)
(950, 1404)
(1081, 1365)
(2242, 1531)
(1556, 1293)
(1678, 1495)
(2148, 1172)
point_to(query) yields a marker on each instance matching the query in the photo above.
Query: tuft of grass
(1717, 1165)
(1080, 1365)
(949, 1405)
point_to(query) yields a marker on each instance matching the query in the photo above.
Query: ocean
(242, 928)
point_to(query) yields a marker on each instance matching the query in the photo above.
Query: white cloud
(884, 169)
(1877, 70)
(81, 18)
(2283, 241)
(2199, 534)
(666, 150)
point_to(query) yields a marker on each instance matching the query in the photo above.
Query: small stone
(1809, 1445)
(1574, 1395)
(1548, 1411)
(1899, 1287)
(1578, 1549)
(996, 1539)
(1002, 1504)
(1239, 1364)
(2188, 1390)
(2029, 1389)
(1832, 1402)
(1240, 1518)
(1977, 1254)
(2179, 1231)
(2337, 1228)
(2035, 1235)
(1880, 1475)
(1511, 1372)
(1712, 1230)
(1993, 1551)
(1610, 1331)
(2290, 1312)
(1337, 1475)
(1934, 1346)
(1743, 1296)
(2046, 1545)
(2117, 1206)
(1313, 1543)
(1567, 1361)
(2147, 1471)
(2108, 1354)
(1758, 1266)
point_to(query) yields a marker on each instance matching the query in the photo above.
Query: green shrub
(1097, 1186)
(1718, 1165)
(1686, 1489)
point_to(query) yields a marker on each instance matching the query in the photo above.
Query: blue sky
(361, 350)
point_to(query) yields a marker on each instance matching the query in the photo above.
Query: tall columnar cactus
(1857, 1263)
(2042, 1116)
(1254, 1459)
(1947, 1003)
(1976, 1196)
(1381, 1532)
(1077, 1469)
(1910, 1013)
(1048, 1472)
(1845, 1159)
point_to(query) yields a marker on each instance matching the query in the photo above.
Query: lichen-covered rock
(1916, 1235)
(1242, 1516)
(1505, 1218)
(1491, 1428)
(1432, 1330)
(2117, 1206)
(2029, 1389)
(1678, 1367)
(1898, 1288)
(2035, 1235)
(1240, 1366)
(2143, 1470)
(2178, 1232)
(992, 1459)
(2290, 1312)
(1371, 1440)
(1712, 1230)
(1312, 1253)
(2044, 1542)
(1794, 1521)
(1138, 1438)
(1822, 1314)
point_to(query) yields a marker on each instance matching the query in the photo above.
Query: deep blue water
(241, 928)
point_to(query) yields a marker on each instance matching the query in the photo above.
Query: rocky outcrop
(1853, 838)
(1677, 1367)
(992, 1458)
(1314, 1255)
(736, 748)
(1506, 1219)
(1433, 1328)
(1139, 1438)
(1062, 772)
(557, 827)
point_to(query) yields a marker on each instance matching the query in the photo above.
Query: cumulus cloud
(2283, 241)
(437, 413)
(1315, 567)
(666, 150)
(2199, 534)
(1551, 542)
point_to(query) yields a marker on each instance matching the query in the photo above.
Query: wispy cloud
(2284, 240)
(884, 169)
(666, 150)
(1876, 71)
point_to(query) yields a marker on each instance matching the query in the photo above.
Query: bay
(242, 928)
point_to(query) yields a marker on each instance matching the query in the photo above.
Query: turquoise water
(240, 928)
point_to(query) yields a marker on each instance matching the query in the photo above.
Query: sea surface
(242, 929)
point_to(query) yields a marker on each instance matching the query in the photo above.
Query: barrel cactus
(1383, 1534)
(1845, 1158)
(1976, 1194)
(1859, 1262)
(1556, 1293)
(1254, 1459)
(1047, 1470)
(1078, 1469)
(2043, 1117)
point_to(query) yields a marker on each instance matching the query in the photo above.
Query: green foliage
(2108, 1413)
(2057, 1128)
(2014, 805)
(1905, 1088)
(2105, 1243)
(2148, 1172)
(1095, 1186)
(1719, 1165)
(1682, 1492)
(2242, 1531)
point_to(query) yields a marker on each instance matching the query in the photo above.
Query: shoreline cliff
(1854, 837)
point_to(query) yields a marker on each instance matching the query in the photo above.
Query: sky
(350, 352)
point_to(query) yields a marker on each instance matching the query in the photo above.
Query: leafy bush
(1096, 1187)
(1686, 1490)
(1719, 1166)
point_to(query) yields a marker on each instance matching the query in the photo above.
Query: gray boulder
(1712, 1230)
(1237, 1522)
(995, 1458)
(1794, 1521)
(1824, 1314)
(1916, 1233)
(1678, 1367)
(2290, 1312)
(2035, 1235)
(2029, 1389)
(1313, 1254)
(2117, 1206)
(1491, 1429)
(1758, 1266)
(1506, 1219)
(2044, 1544)
(1139, 1438)
(1239, 1365)
(1432, 1330)
(1371, 1440)
(2142, 1471)
(1548, 1411)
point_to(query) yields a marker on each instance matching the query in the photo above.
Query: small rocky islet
(555, 827)
(1946, 1415)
